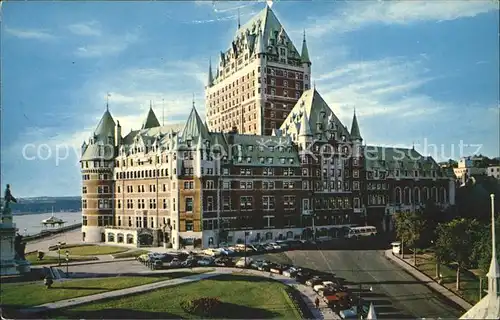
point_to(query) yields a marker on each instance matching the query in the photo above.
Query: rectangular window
(189, 204)
(189, 225)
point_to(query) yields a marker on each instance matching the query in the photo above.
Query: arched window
(407, 195)
(444, 195)
(416, 195)
(397, 195)
(426, 194)
(435, 196)
(111, 237)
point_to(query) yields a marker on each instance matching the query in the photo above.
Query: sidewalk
(428, 280)
(307, 293)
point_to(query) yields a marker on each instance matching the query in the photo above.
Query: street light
(59, 253)
(67, 263)
(247, 233)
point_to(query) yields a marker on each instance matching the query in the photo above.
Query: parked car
(265, 266)
(226, 251)
(352, 312)
(241, 262)
(291, 272)
(278, 269)
(206, 261)
(224, 262)
(314, 281)
(189, 263)
(256, 264)
(212, 252)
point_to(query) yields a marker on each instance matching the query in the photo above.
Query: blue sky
(416, 72)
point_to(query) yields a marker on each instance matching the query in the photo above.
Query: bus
(364, 231)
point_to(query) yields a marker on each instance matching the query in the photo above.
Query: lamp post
(247, 233)
(59, 253)
(67, 263)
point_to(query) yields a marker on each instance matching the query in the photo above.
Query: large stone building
(186, 185)
(258, 79)
(273, 159)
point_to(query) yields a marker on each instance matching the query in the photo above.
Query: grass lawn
(34, 293)
(469, 283)
(129, 254)
(91, 250)
(33, 259)
(243, 297)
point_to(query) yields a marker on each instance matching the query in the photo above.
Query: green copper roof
(194, 127)
(267, 22)
(355, 134)
(305, 53)
(322, 120)
(151, 120)
(106, 126)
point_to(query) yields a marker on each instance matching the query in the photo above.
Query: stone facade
(185, 185)
(258, 80)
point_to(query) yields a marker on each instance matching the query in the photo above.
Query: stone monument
(12, 260)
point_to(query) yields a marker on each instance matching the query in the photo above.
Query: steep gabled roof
(151, 120)
(320, 117)
(266, 21)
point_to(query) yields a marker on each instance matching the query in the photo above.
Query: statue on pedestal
(19, 247)
(8, 198)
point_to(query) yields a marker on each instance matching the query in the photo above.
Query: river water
(29, 224)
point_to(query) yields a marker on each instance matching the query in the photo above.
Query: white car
(328, 283)
(318, 287)
(226, 251)
(275, 246)
(241, 262)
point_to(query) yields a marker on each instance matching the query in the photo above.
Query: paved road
(395, 293)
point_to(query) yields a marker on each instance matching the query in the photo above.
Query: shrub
(203, 307)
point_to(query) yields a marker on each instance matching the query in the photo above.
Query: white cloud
(33, 34)
(357, 15)
(107, 46)
(91, 28)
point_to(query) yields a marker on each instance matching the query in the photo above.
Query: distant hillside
(47, 204)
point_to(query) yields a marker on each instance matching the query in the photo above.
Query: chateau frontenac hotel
(272, 161)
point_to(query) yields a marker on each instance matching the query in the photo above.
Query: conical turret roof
(305, 52)
(355, 134)
(194, 126)
(106, 126)
(151, 120)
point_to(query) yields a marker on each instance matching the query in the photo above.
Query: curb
(428, 281)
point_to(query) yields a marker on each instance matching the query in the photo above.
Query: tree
(409, 228)
(455, 244)
(482, 247)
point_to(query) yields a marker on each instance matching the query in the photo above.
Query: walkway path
(428, 280)
(307, 293)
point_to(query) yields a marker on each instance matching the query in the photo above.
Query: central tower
(258, 80)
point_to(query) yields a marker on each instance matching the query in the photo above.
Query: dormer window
(188, 143)
(343, 138)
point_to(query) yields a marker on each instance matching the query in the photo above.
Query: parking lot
(368, 275)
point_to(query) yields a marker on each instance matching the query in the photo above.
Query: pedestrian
(316, 302)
